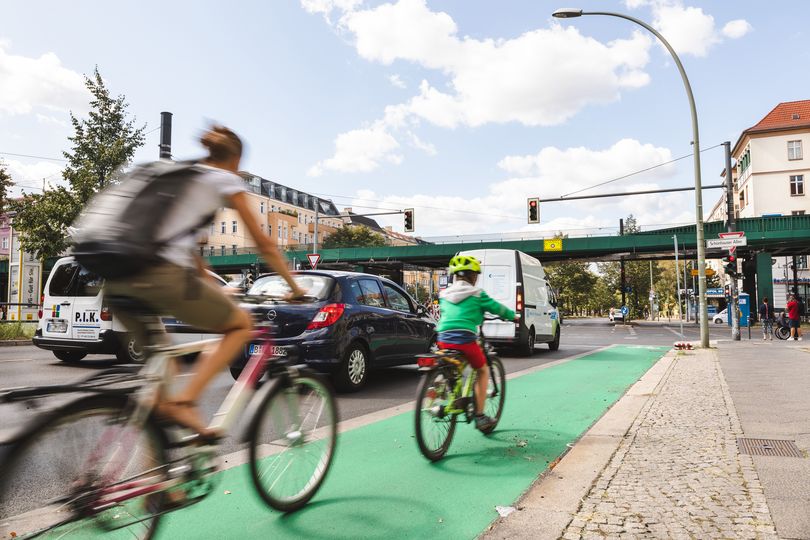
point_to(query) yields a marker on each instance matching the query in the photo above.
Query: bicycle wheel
(53, 476)
(782, 332)
(292, 442)
(496, 392)
(434, 428)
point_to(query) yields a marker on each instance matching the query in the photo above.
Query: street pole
(731, 225)
(315, 229)
(678, 282)
(701, 245)
(652, 293)
(621, 264)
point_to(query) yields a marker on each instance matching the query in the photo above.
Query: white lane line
(673, 331)
(632, 331)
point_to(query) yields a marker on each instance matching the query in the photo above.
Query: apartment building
(770, 179)
(285, 213)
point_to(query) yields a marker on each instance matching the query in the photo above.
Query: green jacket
(463, 307)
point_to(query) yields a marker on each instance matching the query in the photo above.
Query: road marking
(673, 331)
(632, 331)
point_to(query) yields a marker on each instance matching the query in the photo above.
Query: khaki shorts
(172, 290)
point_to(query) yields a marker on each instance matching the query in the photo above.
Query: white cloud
(737, 28)
(360, 150)
(395, 80)
(27, 84)
(326, 7)
(522, 80)
(548, 174)
(688, 29)
(52, 120)
(28, 177)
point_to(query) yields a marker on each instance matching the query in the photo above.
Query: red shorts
(472, 351)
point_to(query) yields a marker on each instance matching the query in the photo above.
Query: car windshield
(274, 285)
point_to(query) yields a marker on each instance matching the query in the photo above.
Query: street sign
(314, 259)
(709, 272)
(625, 311)
(726, 243)
(553, 244)
(442, 282)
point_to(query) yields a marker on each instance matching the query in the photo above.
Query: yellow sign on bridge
(553, 244)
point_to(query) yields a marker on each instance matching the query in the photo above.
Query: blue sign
(717, 292)
(625, 311)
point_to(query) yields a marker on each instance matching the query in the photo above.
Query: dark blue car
(357, 322)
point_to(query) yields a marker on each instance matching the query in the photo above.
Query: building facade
(770, 179)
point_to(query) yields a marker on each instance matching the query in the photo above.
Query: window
(797, 185)
(5, 242)
(269, 230)
(233, 226)
(211, 251)
(211, 231)
(222, 228)
(794, 150)
(88, 283)
(801, 262)
(369, 293)
(222, 250)
(62, 280)
(261, 207)
(797, 213)
(280, 231)
(233, 249)
(397, 299)
(742, 200)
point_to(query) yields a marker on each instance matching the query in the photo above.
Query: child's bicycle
(104, 462)
(447, 392)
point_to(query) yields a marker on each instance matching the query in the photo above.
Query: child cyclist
(463, 306)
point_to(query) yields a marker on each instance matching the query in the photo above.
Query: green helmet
(464, 263)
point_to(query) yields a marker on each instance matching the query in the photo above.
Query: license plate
(57, 326)
(274, 350)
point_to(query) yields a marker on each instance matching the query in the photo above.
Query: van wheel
(131, 352)
(69, 357)
(352, 373)
(554, 344)
(527, 347)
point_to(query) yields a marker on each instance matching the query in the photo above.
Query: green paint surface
(380, 485)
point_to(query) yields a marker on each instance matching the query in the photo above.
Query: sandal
(184, 414)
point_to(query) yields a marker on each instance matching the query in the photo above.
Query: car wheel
(554, 344)
(352, 373)
(718, 320)
(527, 347)
(69, 356)
(131, 352)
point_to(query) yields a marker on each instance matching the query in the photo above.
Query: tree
(5, 184)
(637, 277)
(573, 282)
(103, 144)
(353, 236)
(601, 298)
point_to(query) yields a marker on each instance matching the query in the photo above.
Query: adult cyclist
(180, 287)
(463, 306)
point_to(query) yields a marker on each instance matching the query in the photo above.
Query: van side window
(88, 283)
(62, 279)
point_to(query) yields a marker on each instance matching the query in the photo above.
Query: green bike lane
(380, 486)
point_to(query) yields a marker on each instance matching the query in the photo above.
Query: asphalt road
(27, 365)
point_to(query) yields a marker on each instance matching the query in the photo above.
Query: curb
(556, 495)
(15, 342)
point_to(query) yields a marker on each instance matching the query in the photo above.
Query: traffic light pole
(731, 224)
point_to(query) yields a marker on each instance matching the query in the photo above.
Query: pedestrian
(794, 317)
(610, 315)
(766, 316)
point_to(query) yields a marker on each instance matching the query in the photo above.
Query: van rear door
(86, 322)
(499, 280)
(57, 309)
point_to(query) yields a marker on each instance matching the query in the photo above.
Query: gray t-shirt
(212, 192)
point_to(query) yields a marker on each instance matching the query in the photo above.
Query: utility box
(744, 305)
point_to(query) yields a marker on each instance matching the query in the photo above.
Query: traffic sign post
(731, 240)
(314, 259)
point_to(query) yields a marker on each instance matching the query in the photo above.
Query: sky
(460, 109)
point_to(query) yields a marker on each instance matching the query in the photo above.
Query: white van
(519, 282)
(75, 322)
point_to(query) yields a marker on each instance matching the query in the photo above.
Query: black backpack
(116, 235)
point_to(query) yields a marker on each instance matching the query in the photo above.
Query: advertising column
(24, 274)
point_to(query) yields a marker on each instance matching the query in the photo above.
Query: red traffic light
(532, 203)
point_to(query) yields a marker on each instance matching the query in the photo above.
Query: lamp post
(568, 13)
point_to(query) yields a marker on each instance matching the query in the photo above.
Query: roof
(785, 116)
(282, 193)
(355, 219)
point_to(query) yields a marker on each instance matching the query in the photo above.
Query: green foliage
(103, 144)
(418, 291)
(573, 282)
(5, 184)
(353, 236)
(17, 330)
(601, 298)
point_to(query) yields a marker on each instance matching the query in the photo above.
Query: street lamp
(568, 13)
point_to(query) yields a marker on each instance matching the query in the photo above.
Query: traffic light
(730, 265)
(727, 291)
(408, 219)
(534, 210)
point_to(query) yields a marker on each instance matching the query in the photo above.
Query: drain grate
(769, 447)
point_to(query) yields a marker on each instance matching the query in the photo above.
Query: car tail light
(426, 362)
(105, 314)
(41, 306)
(327, 316)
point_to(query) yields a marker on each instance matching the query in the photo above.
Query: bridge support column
(764, 277)
(749, 277)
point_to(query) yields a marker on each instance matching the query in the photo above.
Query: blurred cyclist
(180, 287)
(463, 306)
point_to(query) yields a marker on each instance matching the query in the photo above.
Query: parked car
(75, 322)
(519, 282)
(355, 323)
(721, 318)
(616, 315)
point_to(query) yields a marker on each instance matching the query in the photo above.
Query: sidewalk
(664, 462)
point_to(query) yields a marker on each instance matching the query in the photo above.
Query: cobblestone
(677, 472)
